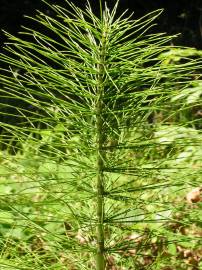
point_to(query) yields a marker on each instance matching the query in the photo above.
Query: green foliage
(192, 94)
(178, 54)
(103, 151)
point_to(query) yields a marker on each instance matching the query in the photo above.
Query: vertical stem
(100, 199)
(100, 156)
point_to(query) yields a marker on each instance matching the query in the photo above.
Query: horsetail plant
(87, 100)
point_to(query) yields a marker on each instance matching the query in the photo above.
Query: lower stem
(100, 217)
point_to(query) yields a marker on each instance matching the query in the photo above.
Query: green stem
(100, 157)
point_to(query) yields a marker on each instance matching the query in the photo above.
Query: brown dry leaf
(111, 264)
(194, 195)
(132, 252)
(148, 260)
(82, 240)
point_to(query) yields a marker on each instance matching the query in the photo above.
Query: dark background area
(180, 16)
